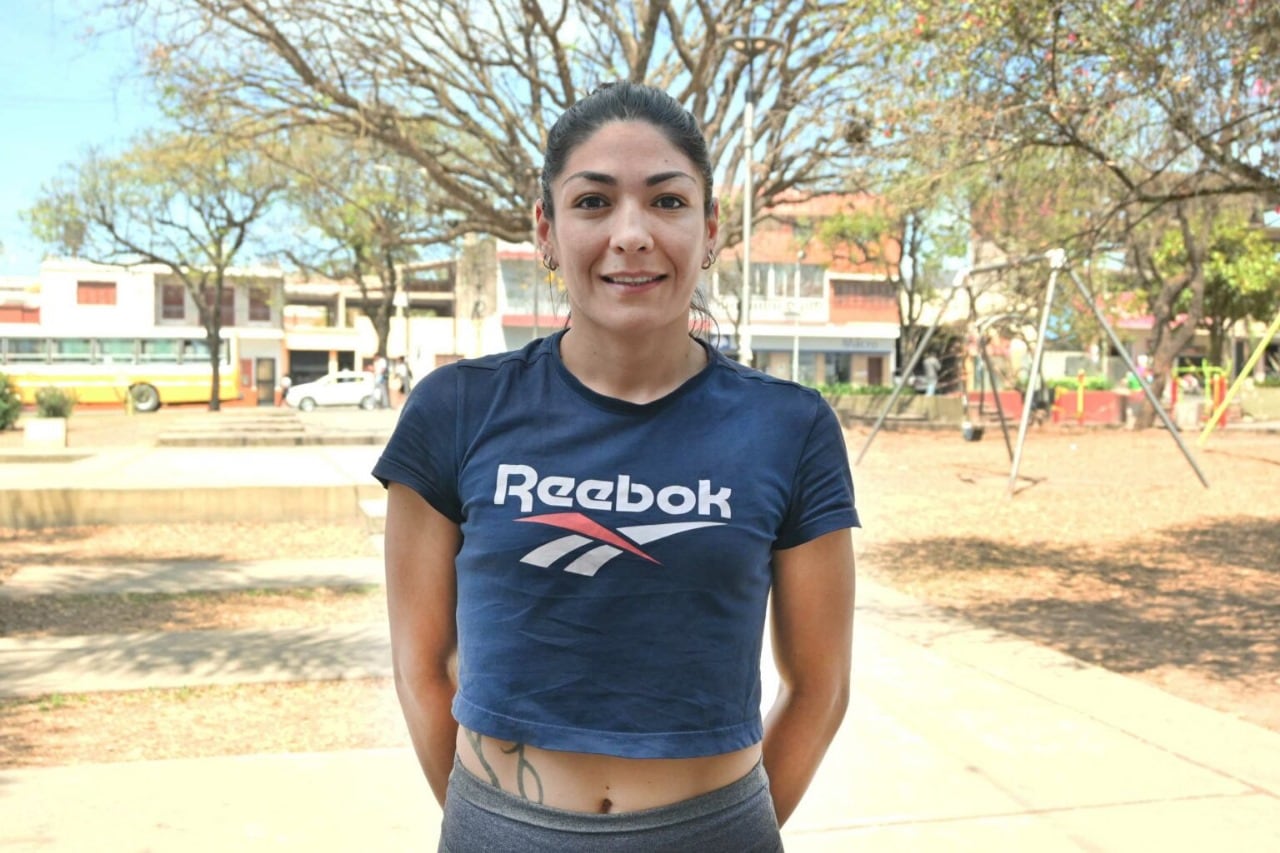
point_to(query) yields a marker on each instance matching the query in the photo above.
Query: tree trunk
(215, 362)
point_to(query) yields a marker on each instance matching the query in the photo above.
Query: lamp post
(401, 302)
(795, 321)
(750, 45)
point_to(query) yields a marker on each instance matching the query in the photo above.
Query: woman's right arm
(421, 545)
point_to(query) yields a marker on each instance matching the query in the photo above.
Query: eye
(669, 202)
(591, 202)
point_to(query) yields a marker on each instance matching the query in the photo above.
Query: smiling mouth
(632, 280)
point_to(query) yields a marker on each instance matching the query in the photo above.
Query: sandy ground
(1109, 549)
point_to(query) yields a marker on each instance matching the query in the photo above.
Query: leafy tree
(364, 217)
(10, 404)
(1162, 104)
(187, 203)
(1242, 278)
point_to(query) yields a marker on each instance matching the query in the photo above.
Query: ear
(542, 227)
(713, 225)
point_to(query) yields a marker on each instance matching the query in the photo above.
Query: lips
(633, 279)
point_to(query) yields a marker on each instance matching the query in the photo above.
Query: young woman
(582, 537)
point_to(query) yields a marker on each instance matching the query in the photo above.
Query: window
(116, 350)
(27, 349)
(159, 351)
(69, 349)
(95, 293)
(173, 302)
(259, 305)
(19, 314)
(228, 310)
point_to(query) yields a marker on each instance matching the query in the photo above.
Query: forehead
(627, 147)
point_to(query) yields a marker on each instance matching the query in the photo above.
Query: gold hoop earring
(549, 262)
(711, 259)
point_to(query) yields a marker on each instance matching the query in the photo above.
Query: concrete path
(191, 576)
(958, 738)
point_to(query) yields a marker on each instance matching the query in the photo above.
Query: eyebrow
(610, 180)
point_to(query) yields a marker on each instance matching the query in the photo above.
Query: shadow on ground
(1206, 598)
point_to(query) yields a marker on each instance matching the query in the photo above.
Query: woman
(582, 536)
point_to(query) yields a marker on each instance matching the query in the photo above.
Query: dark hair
(624, 101)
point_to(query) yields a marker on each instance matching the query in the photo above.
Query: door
(875, 370)
(264, 376)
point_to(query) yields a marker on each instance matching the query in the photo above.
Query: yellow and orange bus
(148, 370)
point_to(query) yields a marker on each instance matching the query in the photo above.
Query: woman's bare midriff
(601, 784)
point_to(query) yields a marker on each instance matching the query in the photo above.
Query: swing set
(1057, 260)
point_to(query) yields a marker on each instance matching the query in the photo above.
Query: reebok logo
(592, 542)
(523, 483)
(584, 532)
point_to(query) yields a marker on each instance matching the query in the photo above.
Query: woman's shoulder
(750, 382)
(467, 370)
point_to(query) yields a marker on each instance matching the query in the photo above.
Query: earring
(549, 262)
(711, 259)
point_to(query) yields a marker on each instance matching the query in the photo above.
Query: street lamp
(795, 320)
(400, 300)
(750, 45)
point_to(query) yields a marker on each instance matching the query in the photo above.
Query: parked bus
(150, 370)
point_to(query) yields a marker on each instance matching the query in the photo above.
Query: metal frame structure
(1245, 373)
(1057, 259)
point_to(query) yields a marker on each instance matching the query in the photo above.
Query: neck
(637, 370)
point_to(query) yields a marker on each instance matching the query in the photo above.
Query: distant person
(404, 376)
(932, 367)
(381, 382)
(582, 537)
(285, 384)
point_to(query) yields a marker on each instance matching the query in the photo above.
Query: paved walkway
(958, 738)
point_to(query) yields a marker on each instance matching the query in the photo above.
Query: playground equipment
(1057, 260)
(1272, 330)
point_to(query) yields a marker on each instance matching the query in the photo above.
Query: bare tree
(465, 89)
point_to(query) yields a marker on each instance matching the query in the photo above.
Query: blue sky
(60, 93)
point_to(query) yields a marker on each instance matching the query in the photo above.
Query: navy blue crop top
(615, 560)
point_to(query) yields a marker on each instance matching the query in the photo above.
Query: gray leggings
(737, 818)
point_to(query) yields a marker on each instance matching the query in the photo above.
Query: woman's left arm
(813, 592)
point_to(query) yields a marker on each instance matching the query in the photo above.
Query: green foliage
(1268, 382)
(10, 405)
(845, 389)
(1069, 383)
(1241, 276)
(54, 402)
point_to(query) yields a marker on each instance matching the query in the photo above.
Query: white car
(344, 388)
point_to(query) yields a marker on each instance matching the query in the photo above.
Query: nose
(631, 229)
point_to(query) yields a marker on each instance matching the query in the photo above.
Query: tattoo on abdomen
(525, 770)
(475, 741)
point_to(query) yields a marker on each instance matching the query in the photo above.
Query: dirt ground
(1110, 549)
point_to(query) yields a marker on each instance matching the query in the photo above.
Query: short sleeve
(822, 492)
(422, 452)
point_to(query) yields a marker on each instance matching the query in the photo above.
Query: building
(76, 299)
(820, 313)
(830, 311)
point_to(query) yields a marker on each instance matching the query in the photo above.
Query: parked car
(344, 388)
